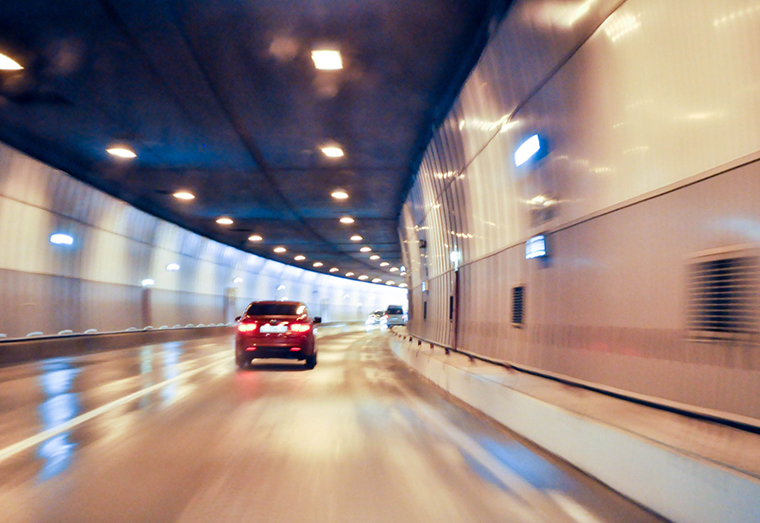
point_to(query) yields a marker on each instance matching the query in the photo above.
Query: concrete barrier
(680, 486)
(37, 348)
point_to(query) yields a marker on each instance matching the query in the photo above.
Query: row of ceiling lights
(324, 59)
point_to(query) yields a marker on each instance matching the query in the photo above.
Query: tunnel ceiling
(222, 99)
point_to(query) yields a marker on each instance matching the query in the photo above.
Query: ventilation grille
(722, 298)
(518, 303)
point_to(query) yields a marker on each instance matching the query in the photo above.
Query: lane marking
(35, 440)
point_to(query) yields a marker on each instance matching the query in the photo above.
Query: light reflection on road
(60, 406)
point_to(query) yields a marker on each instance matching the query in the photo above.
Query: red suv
(276, 329)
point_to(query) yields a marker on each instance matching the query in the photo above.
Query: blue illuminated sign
(528, 149)
(535, 247)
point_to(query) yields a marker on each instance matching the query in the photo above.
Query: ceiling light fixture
(224, 221)
(349, 274)
(300, 257)
(332, 151)
(377, 280)
(363, 277)
(334, 269)
(393, 269)
(184, 195)
(238, 280)
(317, 264)
(255, 238)
(339, 194)
(327, 59)
(390, 282)
(384, 264)
(356, 238)
(346, 219)
(9, 64)
(403, 285)
(172, 267)
(374, 257)
(365, 249)
(148, 282)
(280, 250)
(122, 152)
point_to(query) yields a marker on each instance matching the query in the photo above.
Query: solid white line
(35, 440)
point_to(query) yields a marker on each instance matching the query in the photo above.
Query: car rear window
(275, 309)
(395, 310)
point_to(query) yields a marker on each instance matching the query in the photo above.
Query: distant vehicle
(374, 317)
(394, 315)
(276, 329)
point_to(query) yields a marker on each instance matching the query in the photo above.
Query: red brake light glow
(247, 327)
(300, 327)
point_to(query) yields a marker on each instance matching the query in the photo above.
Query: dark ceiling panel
(220, 97)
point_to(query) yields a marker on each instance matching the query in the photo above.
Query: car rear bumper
(267, 348)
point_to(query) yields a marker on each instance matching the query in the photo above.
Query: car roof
(273, 302)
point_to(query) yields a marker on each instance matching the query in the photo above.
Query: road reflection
(60, 406)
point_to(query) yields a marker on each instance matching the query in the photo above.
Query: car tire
(311, 361)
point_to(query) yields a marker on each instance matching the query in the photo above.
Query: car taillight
(247, 327)
(300, 327)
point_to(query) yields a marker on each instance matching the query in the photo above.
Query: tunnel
(512, 246)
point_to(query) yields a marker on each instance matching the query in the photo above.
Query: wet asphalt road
(173, 432)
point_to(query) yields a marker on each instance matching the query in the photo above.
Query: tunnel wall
(95, 283)
(651, 113)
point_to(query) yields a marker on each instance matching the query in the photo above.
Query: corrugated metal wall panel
(632, 97)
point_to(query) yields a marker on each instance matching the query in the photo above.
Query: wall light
(527, 150)
(535, 247)
(61, 239)
(172, 267)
